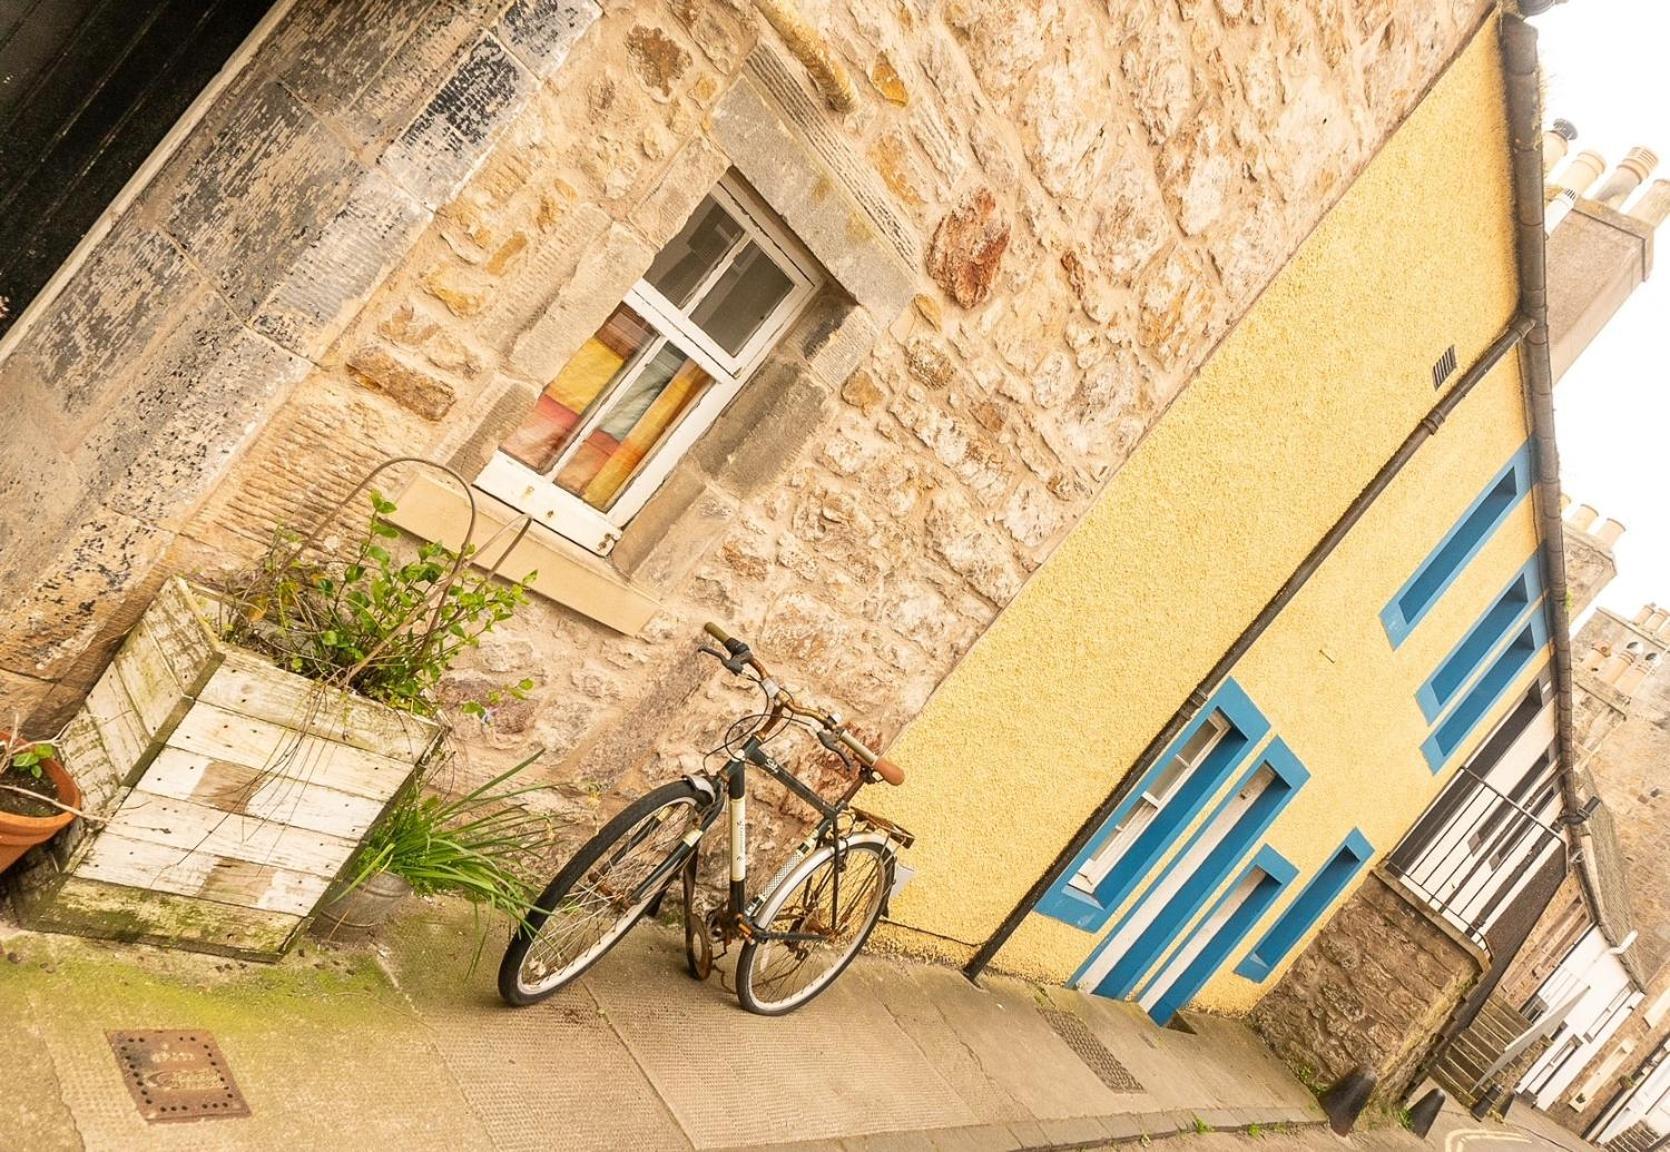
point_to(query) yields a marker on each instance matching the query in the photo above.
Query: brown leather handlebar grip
(888, 770)
(716, 632)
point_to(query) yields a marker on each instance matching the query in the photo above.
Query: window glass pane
(694, 253)
(640, 417)
(585, 379)
(738, 303)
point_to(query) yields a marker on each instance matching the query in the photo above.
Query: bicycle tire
(518, 991)
(809, 874)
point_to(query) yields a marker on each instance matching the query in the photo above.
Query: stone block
(314, 298)
(542, 32)
(763, 429)
(40, 490)
(253, 189)
(190, 405)
(61, 613)
(436, 153)
(840, 337)
(20, 696)
(599, 282)
(368, 65)
(132, 286)
(496, 416)
(411, 387)
(549, 263)
(310, 456)
(694, 171)
(817, 204)
(674, 530)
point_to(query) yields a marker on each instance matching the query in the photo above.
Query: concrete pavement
(407, 1048)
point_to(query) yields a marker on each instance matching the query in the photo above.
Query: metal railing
(1470, 852)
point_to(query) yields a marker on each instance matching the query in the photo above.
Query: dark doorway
(88, 88)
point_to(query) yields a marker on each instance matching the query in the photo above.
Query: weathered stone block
(381, 371)
(545, 267)
(542, 32)
(191, 405)
(599, 282)
(967, 247)
(840, 338)
(313, 299)
(817, 204)
(133, 285)
(48, 626)
(762, 430)
(251, 192)
(694, 171)
(674, 530)
(442, 145)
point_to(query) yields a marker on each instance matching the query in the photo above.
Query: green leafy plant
(378, 619)
(26, 756)
(480, 845)
(1200, 1126)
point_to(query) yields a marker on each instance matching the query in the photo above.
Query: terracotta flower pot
(354, 917)
(18, 834)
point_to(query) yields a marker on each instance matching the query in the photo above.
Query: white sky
(1605, 62)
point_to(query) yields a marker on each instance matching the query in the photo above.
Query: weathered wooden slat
(124, 735)
(85, 755)
(116, 912)
(186, 630)
(197, 828)
(223, 735)
(249, 685)
(157, 695)
(248, 791)
(117, 859)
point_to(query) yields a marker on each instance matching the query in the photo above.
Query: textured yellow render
(1283, 427)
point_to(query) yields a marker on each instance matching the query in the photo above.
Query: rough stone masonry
(402, 215)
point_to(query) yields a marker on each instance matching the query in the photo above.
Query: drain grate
(1092, 1051)
(177, 1076)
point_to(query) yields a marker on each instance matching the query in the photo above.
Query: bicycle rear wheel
(774, 977)
(600, 894)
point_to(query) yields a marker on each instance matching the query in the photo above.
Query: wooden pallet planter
(234, 792)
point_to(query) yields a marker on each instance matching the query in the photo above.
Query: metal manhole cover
(177, 1075)
(1092, 1051)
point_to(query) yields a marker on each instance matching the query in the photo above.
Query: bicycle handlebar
(739, 650)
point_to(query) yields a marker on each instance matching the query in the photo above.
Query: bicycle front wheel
(600, 893)
(828, 907)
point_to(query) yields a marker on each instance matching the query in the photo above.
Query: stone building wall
(402, 216)
(1374, 989)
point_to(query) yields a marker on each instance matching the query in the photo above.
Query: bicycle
(797, 935)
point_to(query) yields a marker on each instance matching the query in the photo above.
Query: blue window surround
(1486, 691)
(1459, 545)
(1277, 874)
(1247, 727)
(1505, 614)
(1209, 875)
(1307, 908)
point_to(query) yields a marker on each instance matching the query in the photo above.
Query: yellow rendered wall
(1287, 422)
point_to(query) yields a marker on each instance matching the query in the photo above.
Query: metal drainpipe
(1517, 330)
(813, 51)
(1519, 52)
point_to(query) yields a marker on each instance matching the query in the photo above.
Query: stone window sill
(568, 575)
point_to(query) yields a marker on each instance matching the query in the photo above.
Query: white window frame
(1141, 814)
(538, 495)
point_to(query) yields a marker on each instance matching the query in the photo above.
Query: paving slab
(555, 1076)
(839, 1067)
(293, 1037)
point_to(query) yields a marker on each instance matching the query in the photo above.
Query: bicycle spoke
(595, 911)
(786, 968)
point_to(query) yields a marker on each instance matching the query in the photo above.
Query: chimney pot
(1555, 139)
(1636, 166)
(1581, 171)
(1654, 204)
(1563, 128)
(1582, 518)
(1608, 532)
